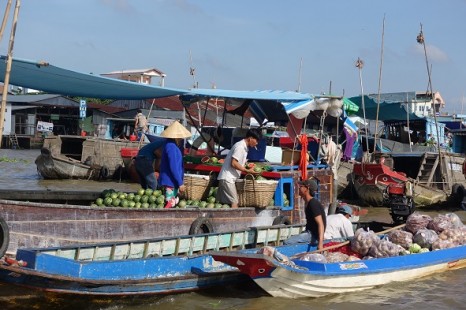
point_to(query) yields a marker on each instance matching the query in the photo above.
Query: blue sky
(255, 44)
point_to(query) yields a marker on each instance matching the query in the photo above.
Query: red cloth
(303, 162)
(345, 249)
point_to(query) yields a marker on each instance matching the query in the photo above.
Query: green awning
(349, 106)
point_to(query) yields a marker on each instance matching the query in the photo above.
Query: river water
(441, 291)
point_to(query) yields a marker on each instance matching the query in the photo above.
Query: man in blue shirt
(144, 163)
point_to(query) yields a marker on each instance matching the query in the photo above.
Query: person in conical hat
(176, 131)
(171, 166)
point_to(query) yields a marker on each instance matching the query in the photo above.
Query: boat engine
(398, 197)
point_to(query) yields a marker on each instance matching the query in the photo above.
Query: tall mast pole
(420, 39)
(360, 65)
(8, 69)
(380, 83)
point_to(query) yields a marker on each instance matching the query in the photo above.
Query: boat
(297, 278)
(39, 224)
(435, 178)
(76, 157)
(62, 167)
(138, 267)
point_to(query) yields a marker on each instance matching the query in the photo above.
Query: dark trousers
(145, 169)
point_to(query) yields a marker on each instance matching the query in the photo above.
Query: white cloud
(434, 53)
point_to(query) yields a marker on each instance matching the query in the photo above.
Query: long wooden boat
(152, 266)
(314, 279)
(61, 167)
(432, 185)
(37, 224)
(103, 155)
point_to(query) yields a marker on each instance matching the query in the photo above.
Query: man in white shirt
(338, 225)
(233, 166)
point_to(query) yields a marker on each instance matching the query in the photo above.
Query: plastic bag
(417, 221)
(455, 220)
(456, 236)
(440, 223)
(363, 241)
(336, 257)
(442, 244)
(385, 248)
(401, 237)
(313, 257)
(425, 238)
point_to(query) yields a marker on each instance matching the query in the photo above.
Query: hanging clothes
(303, 162)
(351, 136)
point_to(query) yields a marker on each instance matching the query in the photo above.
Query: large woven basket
(197, 186)
(255, 193)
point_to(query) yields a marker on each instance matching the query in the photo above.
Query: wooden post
(8, 69)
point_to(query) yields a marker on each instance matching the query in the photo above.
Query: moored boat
(300, 276)
(435, 179)
(138, 267)
(61, 167)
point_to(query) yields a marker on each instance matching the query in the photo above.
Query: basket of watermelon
(255, 193)
(197, 186)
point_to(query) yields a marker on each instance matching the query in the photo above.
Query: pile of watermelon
(151, 199)
(208, 203)
(143, 198)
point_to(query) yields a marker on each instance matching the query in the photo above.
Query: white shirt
(239, 151)
(338, 226)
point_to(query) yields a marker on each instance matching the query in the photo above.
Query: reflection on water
(442, 291)
(18, 171)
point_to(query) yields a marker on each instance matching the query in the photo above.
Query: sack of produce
(313, 257)
(441, 244)
(425, 237)
(455, 220)
(439, 223)
(385, 248)
(401, 237)
(363, 240)
(417, 221)
(336, 257)
(456, 236)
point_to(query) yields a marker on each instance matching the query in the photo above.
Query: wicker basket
(197, 186)
(255, 193)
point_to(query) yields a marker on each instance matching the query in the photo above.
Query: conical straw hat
(175, 131)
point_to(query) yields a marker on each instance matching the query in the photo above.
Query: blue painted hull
(130, 277)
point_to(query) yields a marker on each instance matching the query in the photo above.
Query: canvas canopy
(270, 105)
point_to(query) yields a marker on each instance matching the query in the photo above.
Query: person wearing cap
(171, 176)
(315, 217)
(233, 166)
(144, 163)
(339, 225)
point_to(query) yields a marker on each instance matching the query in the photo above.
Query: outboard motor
(399, 199)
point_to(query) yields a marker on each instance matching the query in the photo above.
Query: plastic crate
(129, 152)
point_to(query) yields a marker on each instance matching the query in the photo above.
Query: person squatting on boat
(338, 225)
(316, 219)
(140, 124)
(171, 167)
(234, 165)
(144, 163)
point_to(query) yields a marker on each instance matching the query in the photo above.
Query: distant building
(143, 76)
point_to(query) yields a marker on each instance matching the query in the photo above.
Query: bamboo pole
(360, 65)
(420, 39)
(5, 19)
(379, 87)
(8, 69)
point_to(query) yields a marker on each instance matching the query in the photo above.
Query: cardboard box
(290, 156)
